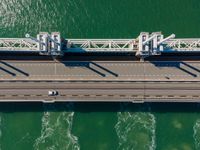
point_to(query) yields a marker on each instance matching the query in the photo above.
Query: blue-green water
(100, 126)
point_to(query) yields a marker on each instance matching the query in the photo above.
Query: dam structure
(157, 73)
(144, 45)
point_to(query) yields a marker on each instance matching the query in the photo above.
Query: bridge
(164, 80)
(143, 46)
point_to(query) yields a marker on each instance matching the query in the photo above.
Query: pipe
(149, 39)
(34, 39)
(51, 39)
(167, 38)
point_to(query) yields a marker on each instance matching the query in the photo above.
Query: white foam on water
(56, 131)
(196, 134)
(0, 131)
(136, 130)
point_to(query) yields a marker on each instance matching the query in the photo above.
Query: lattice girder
(183, 44)
(18, 44)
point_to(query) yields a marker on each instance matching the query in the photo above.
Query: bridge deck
(106, 92)
(102, 71)
(100, 81)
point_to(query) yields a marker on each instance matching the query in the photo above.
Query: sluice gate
(144, 45)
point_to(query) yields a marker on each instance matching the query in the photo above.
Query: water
(56, 129)
(105, 126)
(136, 130)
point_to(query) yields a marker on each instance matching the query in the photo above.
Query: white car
(53, 93)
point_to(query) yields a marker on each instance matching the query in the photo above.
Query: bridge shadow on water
(89, 107)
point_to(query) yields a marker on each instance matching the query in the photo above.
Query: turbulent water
(197, 134)
(56, 130)
(105, 126)
(136, 130)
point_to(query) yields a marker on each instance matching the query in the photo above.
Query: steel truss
(18, 45)
(145, 45)
(102, 45)
(183, 45)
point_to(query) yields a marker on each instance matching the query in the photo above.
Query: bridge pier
(151, 44)
(49, 44)
(43, 45)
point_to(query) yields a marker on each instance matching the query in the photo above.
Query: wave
(0, 131)
(196, 134)
(56, 130)
(136, 130)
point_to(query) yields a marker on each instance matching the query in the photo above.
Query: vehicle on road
(52, 93)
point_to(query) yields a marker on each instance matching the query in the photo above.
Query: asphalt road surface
(100, 81)
(101, 71)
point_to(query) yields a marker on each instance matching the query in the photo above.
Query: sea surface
(99, 126)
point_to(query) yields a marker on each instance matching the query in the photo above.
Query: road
(158, 81)
(101, 71)
(96, 91)
(137, 92)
